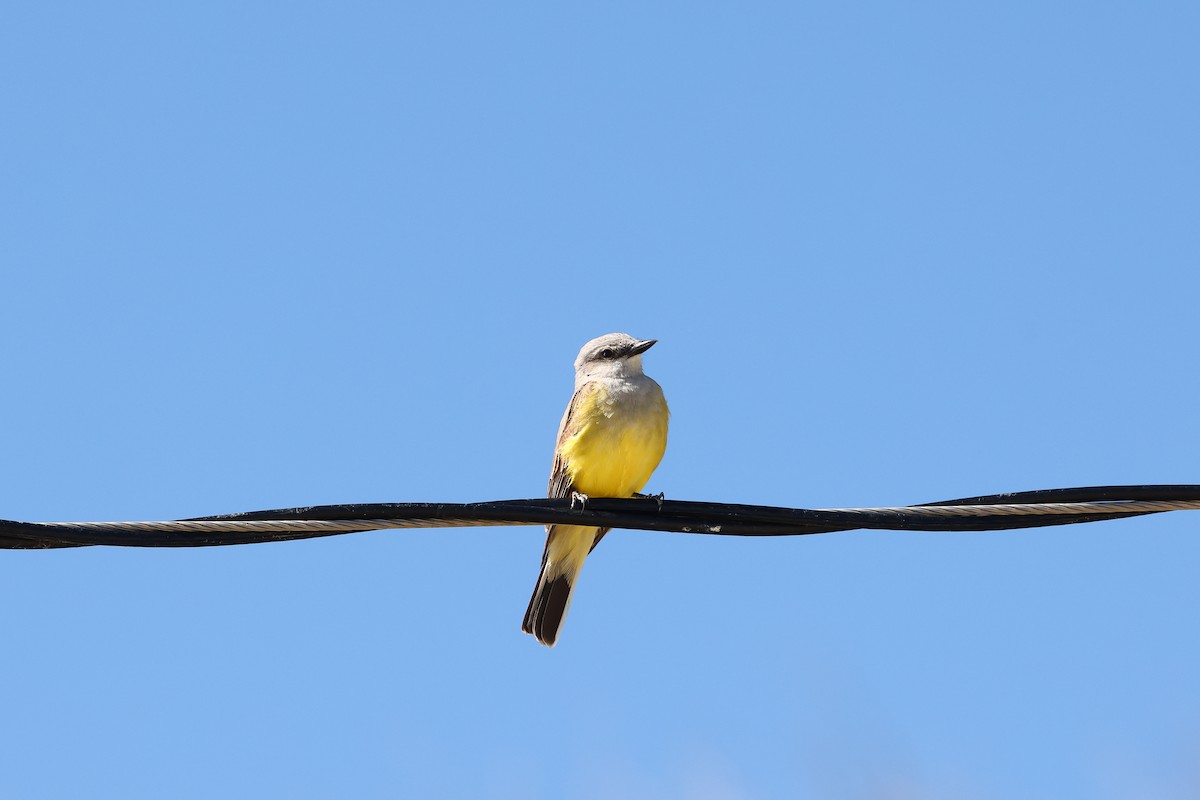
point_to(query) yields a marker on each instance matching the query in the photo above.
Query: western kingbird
(611, 438)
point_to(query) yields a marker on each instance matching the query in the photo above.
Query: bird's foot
(581, 499)
(659, 497)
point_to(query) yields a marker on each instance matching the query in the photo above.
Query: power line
(983, 513)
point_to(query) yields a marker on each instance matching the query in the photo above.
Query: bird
(611, 438)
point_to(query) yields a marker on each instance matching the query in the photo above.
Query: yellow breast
(618, 442)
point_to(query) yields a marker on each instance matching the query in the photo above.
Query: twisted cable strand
(350, 525)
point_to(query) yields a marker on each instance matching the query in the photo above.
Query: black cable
(638, 513)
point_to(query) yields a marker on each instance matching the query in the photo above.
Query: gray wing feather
(560, 479)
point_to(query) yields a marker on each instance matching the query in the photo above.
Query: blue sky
(271, 255)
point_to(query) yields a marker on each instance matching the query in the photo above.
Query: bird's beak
(642, 347)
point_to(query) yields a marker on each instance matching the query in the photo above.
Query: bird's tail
(566, 548)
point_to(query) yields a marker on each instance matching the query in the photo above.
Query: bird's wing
(552, 594)
(560, 478)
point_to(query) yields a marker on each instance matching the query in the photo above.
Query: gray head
(613, 354)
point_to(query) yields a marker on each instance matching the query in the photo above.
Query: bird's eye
(607, 353)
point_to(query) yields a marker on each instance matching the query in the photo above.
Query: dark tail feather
(547, 608)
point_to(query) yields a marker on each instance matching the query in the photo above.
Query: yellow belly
(616, 447)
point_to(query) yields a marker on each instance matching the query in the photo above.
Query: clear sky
(263, 255)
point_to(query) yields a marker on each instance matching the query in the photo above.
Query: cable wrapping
(1009, 511)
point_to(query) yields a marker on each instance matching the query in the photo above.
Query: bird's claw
(581, 499)
(659, 497)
